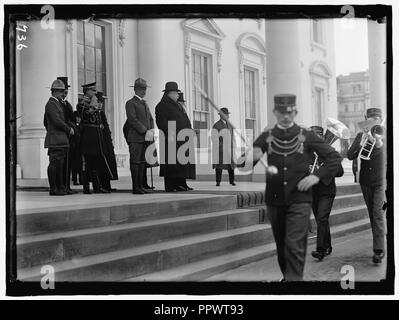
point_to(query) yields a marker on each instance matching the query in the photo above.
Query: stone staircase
(168, 240)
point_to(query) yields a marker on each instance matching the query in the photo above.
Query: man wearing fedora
(223, 146)
(139, 131)
(169, 112)
(57, 139)
(290, 147)
(323, 195)
(372, 179)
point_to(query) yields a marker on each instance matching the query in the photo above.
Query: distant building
(353, 94)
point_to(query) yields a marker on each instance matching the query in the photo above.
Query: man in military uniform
(91, 140)
(57, 139)
(372, 179)
(323, 198)
(290, 147)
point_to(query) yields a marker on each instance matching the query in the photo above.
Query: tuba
(374, 130)
(335, 130)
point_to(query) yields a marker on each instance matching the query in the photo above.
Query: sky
(351, 45)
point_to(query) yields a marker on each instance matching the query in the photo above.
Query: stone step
(348, 200)
(122, 264)
(75, 217)
(59, 246)
(204, 269)
(350, 188)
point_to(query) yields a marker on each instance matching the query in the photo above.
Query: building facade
(240, 64)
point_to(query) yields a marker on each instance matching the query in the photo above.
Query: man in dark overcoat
(223, 147)
(171, 115)
(289, 148)
(57, 139)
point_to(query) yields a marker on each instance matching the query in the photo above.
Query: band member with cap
(323, 198)
(139, 132)
(92, 144)
(372, 179)
(223, 146)
(57, 139)
(290, 147)
(169, 112)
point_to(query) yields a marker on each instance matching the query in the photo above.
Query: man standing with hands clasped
(290, 147)
(139, 129)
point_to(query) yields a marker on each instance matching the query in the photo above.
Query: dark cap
(317, 129)
(285, 102)
(140, 83)
(224, 110)
(171, 86)
(89, 86)
(181, 97)
(373, 112)
(65, 81)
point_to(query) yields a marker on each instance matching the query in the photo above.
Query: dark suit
(223, 151)
(174, 172)
(288, 208)
(372, 179)
(57, 142)
(139, 121)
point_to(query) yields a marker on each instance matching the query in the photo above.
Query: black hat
(88, 86)
(317, 129)
(140, 83)
(171, 86)
(224, 110)
(285, 102)
(181, 97)
(65, 81)
(373, 112)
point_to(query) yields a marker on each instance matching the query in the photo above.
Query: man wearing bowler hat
(139, 131)
(57, 139)
(323, 195)
(290, 147)
(372, 179)
(223, 144)
(169, 112)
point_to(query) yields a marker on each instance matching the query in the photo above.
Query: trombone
(335, 130)
(374, 131)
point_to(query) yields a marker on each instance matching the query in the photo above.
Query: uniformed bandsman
(290, 147)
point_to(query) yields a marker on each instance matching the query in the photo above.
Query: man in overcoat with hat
(372, 179)
(223, 147)
(139, 132)
(290, 147)
(169, 112)
(57, 139)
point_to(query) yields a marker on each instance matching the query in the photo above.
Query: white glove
(149, 135)
(71, 132)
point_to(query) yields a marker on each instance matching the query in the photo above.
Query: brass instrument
(373, 131)
(335, 130)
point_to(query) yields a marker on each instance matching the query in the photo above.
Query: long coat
(165, 111)
(223, 149)
(56, 126)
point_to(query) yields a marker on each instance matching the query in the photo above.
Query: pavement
(354, 250)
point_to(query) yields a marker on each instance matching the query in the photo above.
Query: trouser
(290, 226)
(321, 209)
(56, 170)
(137, 164)
(374, 198)
(219, 175)
(91, 168)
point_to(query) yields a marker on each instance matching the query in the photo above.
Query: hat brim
(139, 87)
(171, 90)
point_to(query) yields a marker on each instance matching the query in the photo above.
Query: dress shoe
(148, 187)
(217, 184)
(318, 254)
(101, 190)
(57, 193)
(86, 191)
(75, 183)
(138, 191)
(233, 184)
(180, 188)
(378, 256)
(170, 190)
(188, 188)
(70, 191)
(328, 251)
(147, 190)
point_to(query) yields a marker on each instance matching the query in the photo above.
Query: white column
(377, 64)
(39, 65)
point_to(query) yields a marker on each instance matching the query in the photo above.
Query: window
(317, 32)
(346, 108)
(200, 76)
(250, 104)
(91, 55)
(319, 105)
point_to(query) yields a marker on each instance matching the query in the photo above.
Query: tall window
(91, 55)
(319, 105)
(200, 74)
(250, 104)
(317, 32)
